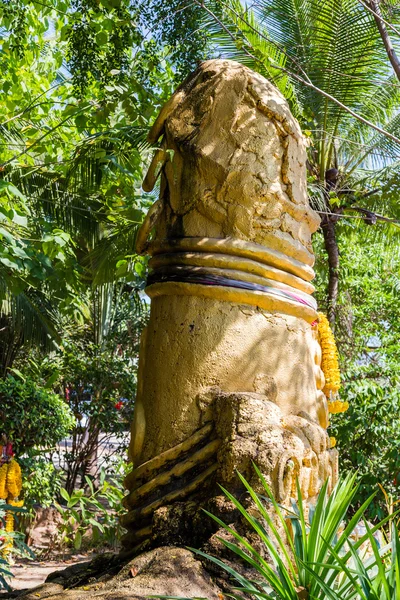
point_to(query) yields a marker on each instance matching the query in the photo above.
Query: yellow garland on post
(14, 479)
(9, 522)
(9, 529)
(10, 489)
(330, 366)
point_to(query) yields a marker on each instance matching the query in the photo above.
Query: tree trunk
(331, 246)
(394, 59)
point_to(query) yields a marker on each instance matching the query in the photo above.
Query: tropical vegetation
(317, 555)
(82, 81)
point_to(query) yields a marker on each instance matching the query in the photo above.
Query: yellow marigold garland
(330, 366)
(9, 529)
(10, 489)
(14, 479)
(16, 503)
(9, 522)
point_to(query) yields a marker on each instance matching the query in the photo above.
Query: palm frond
(26, 318)
(333, 46)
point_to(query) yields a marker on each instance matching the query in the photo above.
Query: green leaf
(101, 38)
(11, 189)
(96, 524)
(52, 379)
(64, 494)
(77, 540)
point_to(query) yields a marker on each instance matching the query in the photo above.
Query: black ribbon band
(196, 275)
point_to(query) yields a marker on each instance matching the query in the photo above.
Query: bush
(100, 385)
(93, 517)
(10, 542)
(31, 416)
(368, 435)
(41, 483)
(368, 333)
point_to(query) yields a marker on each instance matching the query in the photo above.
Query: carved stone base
(167, 492)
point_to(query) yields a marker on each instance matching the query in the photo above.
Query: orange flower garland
(330, 366)
(10, 489)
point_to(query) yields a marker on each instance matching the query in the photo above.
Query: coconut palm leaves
(64, 228)
(331, 47)
(70, 198)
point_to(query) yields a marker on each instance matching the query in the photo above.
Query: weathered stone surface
(238, 166)
(231, 342)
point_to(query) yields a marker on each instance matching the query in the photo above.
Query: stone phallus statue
(229, 367)
(229, 370)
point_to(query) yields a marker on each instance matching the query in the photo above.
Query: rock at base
(167, 571)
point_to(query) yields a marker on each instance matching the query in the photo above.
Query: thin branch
(370, 213)
(363, 79)
(32, 105)
(358, 209)
(10, 160)
(343, 106)
(372, 192)
(51, 7)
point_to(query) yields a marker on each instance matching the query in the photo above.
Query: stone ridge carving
(229, 370)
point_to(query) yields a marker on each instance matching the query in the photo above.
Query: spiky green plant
(377, 578)
(310, 556)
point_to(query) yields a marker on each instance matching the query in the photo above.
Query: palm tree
(66, 223)
(328, 59)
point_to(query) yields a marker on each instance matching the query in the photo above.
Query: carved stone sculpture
(229, 367)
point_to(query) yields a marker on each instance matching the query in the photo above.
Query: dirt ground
(30, 573)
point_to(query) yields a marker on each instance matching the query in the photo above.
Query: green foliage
(368, 334)
(95, 380)
(92, 518)
(368, 435)
(312, 554)
(98, 378)
(41, 481)
(177, 26)
(71, 166)
(99, 36)
(32, 417)
(375, 579)
(6, 538)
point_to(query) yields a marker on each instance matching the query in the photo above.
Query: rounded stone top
(233, 162)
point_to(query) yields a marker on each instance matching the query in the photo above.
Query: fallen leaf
(133, 572)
